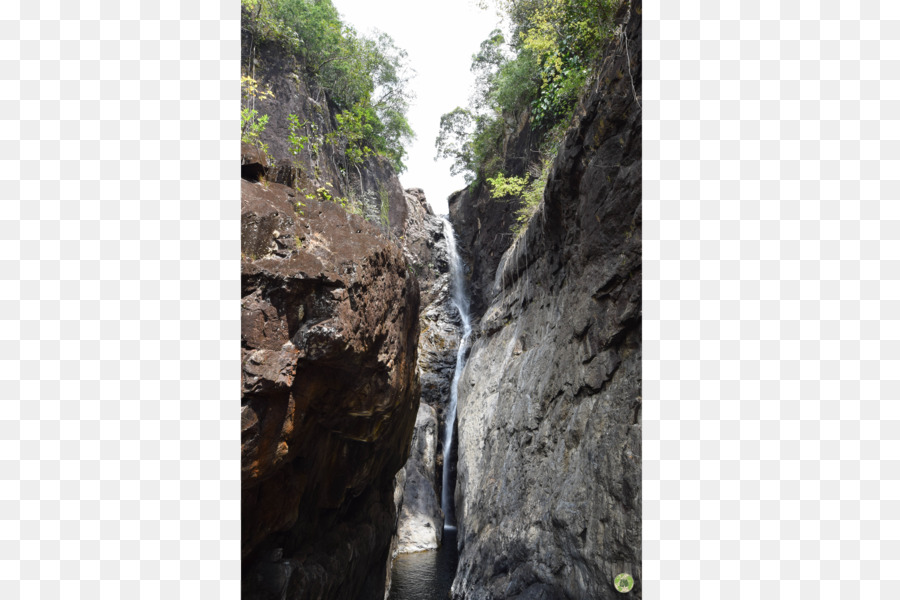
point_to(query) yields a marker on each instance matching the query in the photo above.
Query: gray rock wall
(549, 476)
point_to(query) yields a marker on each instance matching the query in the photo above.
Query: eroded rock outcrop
(549, 477)
(329, 396)
(483, 224)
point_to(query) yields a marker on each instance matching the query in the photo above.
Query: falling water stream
(461, 301)
(428, 575)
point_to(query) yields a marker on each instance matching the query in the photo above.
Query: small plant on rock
(296, 142)
(529, 189)
(252, 123)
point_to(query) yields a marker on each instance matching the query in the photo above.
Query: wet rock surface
(421, 520)
(548, 493)
(329, 396)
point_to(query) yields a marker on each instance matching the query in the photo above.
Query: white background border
(770, 283)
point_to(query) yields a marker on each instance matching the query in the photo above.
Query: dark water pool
(425, 575)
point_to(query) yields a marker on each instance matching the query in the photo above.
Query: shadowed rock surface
(549, 483)
(483, 224)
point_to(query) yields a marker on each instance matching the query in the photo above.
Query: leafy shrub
(252, 126)
(529, 189)
(355, 130)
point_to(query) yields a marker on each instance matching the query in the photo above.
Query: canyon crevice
(349, 348)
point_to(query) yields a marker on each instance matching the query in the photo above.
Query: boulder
(329, 397)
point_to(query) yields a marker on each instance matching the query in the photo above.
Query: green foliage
(540, 69)
(355, 130)
(261, 22)
(366, 78)
(354, 208)
(252, 123)
(529, 189)
(502, 186)
(323, 194)
(565, 37)
(455, 142)
(313, 28)
(296, 141)
(485, 65)
(515, 84)
(372, 85)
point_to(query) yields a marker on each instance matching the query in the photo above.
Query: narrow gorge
(437, 406)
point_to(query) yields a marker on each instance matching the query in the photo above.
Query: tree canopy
(540, 66)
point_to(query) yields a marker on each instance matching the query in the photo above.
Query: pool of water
(425, 575)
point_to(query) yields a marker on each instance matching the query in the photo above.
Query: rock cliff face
(549, 477)
(421, 521)
(483, 225)
(331, 321)
(330, 326)
(329, 396)
(319, 165)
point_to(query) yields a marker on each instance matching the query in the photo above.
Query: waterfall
(461, 301)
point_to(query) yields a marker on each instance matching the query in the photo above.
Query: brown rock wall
(329, 396)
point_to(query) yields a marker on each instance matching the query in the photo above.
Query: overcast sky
(440, 38)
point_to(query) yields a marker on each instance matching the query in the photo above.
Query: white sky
(440, 38)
